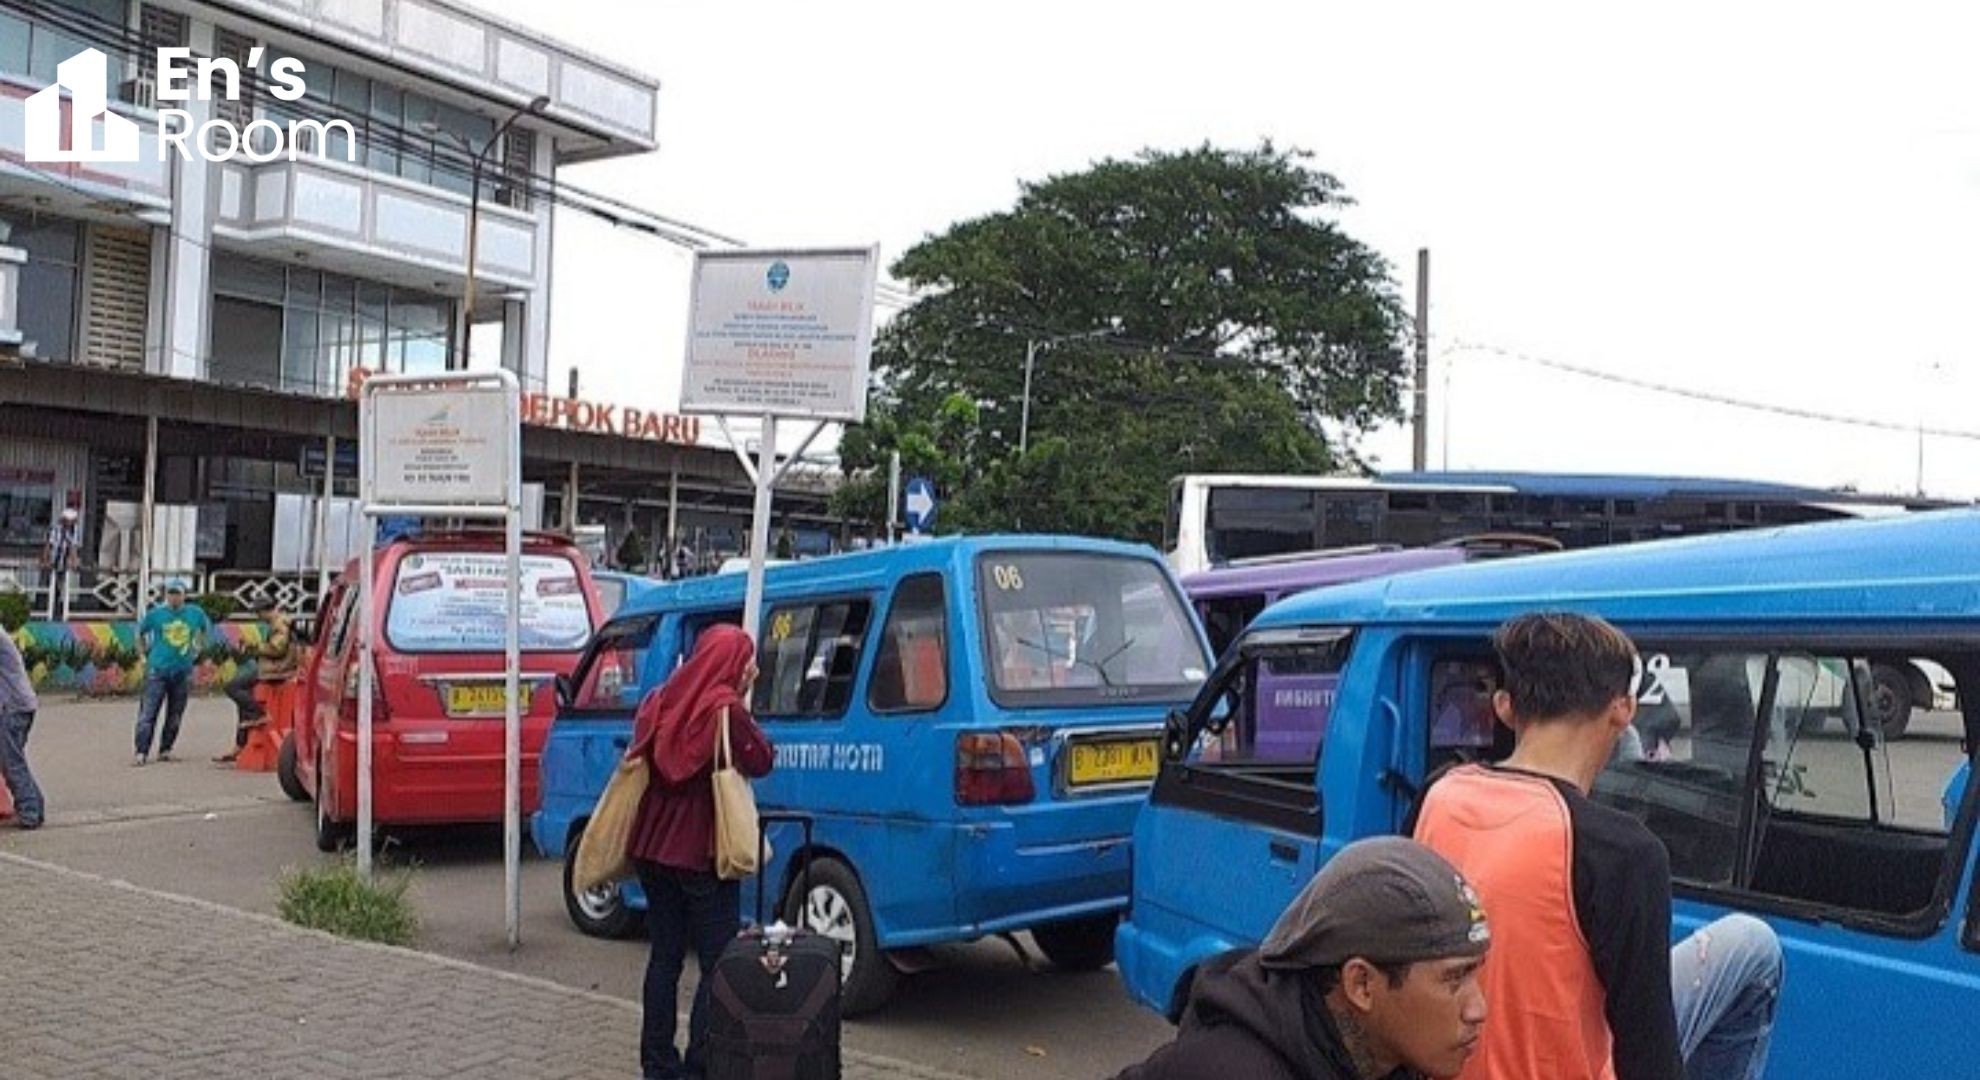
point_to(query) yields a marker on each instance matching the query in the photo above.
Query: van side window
(911, 674)
(809, 658)
(1277, 707)
(609, 674)
(693, 627)
(1769, 772)
(1225, 617)
(341, 621)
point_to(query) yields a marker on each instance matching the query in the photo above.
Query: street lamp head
(537, 104)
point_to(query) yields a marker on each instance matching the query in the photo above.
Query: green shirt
(175, 638)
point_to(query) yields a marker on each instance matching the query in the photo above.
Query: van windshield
(1066, 628)
(455, 602)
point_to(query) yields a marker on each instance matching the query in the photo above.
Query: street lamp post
(534, 108)
(1031, 347)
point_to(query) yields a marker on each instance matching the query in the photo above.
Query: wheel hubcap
(598, 903)
(827, 913)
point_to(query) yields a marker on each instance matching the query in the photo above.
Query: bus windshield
(1069, 628)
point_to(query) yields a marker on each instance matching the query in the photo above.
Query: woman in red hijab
(673, 839)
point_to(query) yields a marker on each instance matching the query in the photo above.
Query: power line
(1713, 398)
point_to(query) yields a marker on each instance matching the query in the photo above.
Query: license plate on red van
(484, 698)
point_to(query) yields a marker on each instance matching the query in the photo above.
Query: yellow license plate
(1118, 761)
(484, 699)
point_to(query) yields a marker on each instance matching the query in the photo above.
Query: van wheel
(285, 770)
(1078, 945)
(837, 909)
(1890, 700)
(601, 912)
(331, 836)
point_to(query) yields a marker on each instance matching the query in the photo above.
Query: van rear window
(454, 602)
(1066, 628)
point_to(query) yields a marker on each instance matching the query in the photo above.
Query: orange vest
(1510, 834)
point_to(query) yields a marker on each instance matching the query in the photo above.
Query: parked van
(1228, 597)
(973, 723)
(1775, 791)
(437, 710)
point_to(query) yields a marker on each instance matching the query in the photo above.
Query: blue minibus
(972, 722)
(1758, 758)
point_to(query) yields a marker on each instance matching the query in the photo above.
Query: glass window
(809, 658)
(1276, 705)
(610, 677)
(1463, 724)
(419, 332)
(341, 622)
(247, 343)
(912, 671)
(27, 506)
(1065, 628)
(454, 602)
(48, 283)
(1225, 617)
(300, 354)
(416, 141)
(1350, 520)
(1247, 522)
(13, 43)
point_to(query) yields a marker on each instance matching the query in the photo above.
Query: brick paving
(103, 979)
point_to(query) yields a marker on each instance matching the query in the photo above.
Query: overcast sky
(1755, 201)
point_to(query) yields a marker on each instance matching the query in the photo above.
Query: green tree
(1195, 311)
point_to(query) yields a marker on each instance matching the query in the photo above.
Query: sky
(1764, 202)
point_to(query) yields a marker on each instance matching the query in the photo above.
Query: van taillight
(347, 709)
(991, 770)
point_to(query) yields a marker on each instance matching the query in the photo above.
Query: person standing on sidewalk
(171, 635)
(1584, 983)
(17, 709)
(275, 664)
(673, 837)
(58, 557)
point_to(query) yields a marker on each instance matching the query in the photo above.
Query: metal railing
(91, 593)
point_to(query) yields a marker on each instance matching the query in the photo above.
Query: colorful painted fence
(100, 658)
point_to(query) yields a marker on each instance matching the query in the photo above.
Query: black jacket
(1246, 1023)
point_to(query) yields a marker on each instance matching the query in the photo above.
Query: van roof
(1911, 568)
(868, 569)
(1312, 570)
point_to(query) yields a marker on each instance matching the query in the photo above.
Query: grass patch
(336, 899)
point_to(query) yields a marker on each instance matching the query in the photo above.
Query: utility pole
(1024, 418)
(1420, 422)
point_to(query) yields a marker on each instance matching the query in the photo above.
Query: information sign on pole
(445, 445)
(778, 333)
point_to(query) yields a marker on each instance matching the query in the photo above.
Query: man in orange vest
(1583, 982)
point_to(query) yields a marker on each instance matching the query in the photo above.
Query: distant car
(615, 587)
(437, 687)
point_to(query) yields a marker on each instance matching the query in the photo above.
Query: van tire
(331, 836)
(1079, 944)
(596, 916)
(285, 770)
(1890, 699)
(840, 909)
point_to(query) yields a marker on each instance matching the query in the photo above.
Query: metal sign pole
(367, 564)
(511, 706)
(759, 527)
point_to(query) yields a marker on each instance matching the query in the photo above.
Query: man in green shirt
(171, 636)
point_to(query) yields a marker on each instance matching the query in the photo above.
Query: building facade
(180, 334)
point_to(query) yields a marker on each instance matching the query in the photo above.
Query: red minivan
(438, 603)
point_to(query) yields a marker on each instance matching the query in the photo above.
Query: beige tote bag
(601, 853)
(737, 855)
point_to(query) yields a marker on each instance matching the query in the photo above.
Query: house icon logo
(85, 76)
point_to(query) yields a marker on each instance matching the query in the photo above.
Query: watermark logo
(181, 78)
(84, 76)
(778, 277)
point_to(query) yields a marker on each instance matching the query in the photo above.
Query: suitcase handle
(764, 821)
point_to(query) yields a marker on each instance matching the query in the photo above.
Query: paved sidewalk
(99, 978)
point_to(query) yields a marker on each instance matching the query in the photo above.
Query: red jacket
(676, 824)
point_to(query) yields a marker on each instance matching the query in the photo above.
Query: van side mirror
(1175, 733)
(303, 630)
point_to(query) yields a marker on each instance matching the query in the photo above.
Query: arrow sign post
(920, 504)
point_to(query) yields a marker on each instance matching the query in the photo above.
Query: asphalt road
(227, 837)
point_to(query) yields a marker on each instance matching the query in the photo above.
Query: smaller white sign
(788, 333)
(440, 447)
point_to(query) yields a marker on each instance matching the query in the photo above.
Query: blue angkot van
(1757, 757)
(972, 722)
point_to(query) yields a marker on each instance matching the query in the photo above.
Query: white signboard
(788, 333)
(440, 447)
(454, 602)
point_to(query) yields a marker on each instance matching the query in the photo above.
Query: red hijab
(679, 716)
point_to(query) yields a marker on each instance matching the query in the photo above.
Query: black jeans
(684, 909)
(246, 709)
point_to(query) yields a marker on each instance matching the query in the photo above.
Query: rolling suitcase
(773, 1002)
